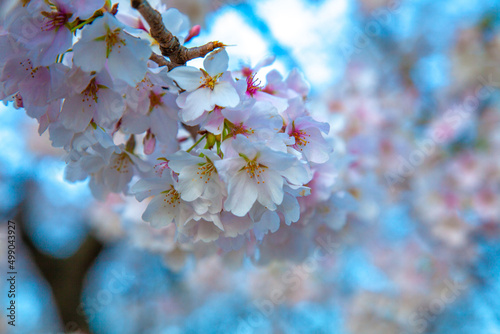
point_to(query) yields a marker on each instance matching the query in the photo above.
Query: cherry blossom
(255, 174)
(93, 98)
(308, 139)
(205, 88)
(152, 108)
(105, 42)
(167, 206)
(198, 179)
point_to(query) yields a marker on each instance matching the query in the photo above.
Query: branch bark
(65, 276)
(169, 44)
(161, 61)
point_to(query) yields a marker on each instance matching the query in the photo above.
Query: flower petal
(89, 56)
(159, 213)
(129, 62)
(216, 62)
(187, 77)
(196, 104)
(225, 95)
(241, 195)
(270, 189)
(76, 113)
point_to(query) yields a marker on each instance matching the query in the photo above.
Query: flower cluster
(92, 79)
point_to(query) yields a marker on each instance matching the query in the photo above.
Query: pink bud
(18, 101)
(117, 126)
(193, 32)
(149, 143)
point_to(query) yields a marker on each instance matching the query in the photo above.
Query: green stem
(219, 152)
(130, 145)
(95, 16)
(195, 144)
(225, 130)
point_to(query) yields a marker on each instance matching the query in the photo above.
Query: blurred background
(411, 91)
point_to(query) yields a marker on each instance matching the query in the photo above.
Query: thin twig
(161, 61)
(196, 144)
(169, 44)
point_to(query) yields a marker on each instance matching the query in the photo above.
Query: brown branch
(199, 51)
(65, 276)
(161, 61)
(169, 44)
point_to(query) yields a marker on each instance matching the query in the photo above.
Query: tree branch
(169, 44)
(65, 276)
(161, 61)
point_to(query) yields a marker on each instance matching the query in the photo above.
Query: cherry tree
(249, 201)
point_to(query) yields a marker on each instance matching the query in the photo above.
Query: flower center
(254, 169)
(172, 197)
(155, 100)
(113, 38)
(205, 170)
(121, 163)
(242, 130)
(253, 85)
(90, 93)
(28, 67)
(300, 138)
(209, 81)
(54, 20)
(160, 167)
